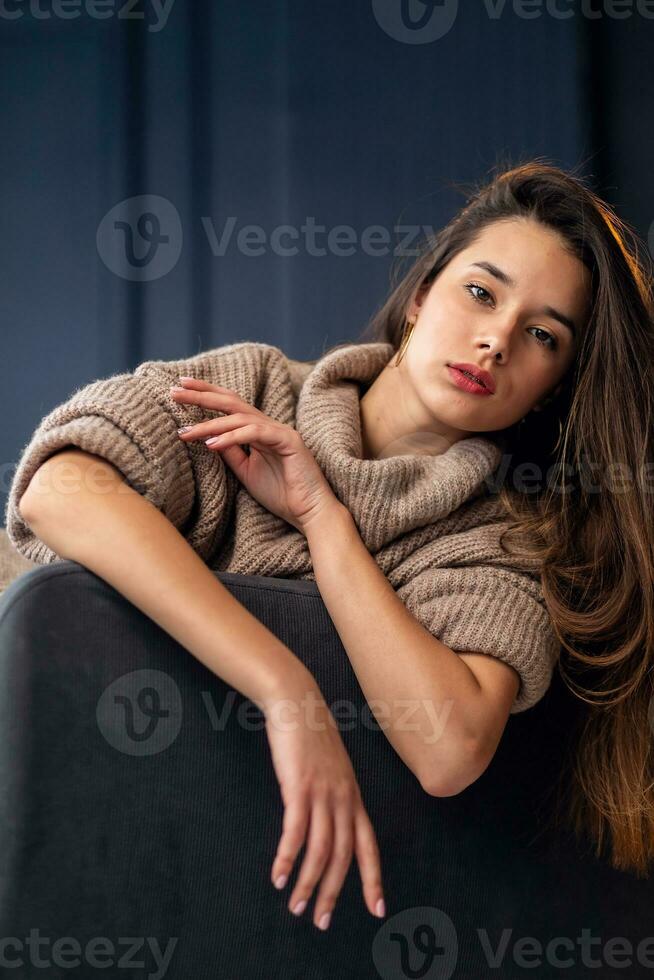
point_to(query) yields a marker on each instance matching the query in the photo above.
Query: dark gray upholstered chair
(139, 800)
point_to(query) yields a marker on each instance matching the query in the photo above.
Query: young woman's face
(510, 329)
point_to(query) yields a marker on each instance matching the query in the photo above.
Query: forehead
(522, 248)
(536, 260)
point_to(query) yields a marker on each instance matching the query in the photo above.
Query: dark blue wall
(271, 114)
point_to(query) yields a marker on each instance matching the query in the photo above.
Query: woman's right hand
(321, 795)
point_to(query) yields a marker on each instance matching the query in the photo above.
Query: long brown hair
(594, 546)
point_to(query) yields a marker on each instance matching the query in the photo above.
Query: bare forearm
(126, 541)
(417, 687)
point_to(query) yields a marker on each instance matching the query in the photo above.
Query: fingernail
(176, 388)
(380, 908)
(281, 881)
(185, 428)
(300, 907)
(324, 922)
(185, 377)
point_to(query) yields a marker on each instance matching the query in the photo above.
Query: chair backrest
(175, 837)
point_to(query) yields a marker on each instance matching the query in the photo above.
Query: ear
(421, 295)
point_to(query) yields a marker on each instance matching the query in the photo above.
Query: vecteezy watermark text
(156, 12)
(67, 478)
(98, 953)
(426, 21)
(424, 941)
(141, 238)
(316, 239)
(140, 713)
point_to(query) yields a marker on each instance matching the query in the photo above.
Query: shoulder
(244, 366)
(298, 371)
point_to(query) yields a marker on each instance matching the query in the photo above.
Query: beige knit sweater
(430, 522)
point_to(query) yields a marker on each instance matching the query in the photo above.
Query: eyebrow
(511, 283)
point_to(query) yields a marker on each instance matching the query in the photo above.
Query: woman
(370, 468)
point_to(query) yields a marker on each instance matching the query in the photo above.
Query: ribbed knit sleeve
(131, 421)
(491, 610)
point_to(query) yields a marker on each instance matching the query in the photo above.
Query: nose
(496, 351)
(496, 340)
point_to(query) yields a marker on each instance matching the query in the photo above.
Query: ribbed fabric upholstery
(107, 832)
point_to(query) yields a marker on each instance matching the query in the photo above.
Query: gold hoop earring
(406, 337)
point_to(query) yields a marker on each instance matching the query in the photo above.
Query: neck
(394, 425)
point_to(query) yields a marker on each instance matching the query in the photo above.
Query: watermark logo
(416, 942)
(141, 238)
(416, 21)
(141, 712)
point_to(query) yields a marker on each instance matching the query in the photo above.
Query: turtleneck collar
(389, 496)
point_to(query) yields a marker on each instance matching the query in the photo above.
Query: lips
(484, 377)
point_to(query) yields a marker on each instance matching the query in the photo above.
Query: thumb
(235, 457)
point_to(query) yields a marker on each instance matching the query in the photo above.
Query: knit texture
(432, 523)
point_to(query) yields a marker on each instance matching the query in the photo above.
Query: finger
(236, 458)
(202, 383)
(319, 848)
(294, 829)
(255, 434)
(367, 853)
(337, 869)
(205, 393)
(214, 427)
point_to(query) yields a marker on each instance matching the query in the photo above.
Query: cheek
(539, 371)
(422, 358)
(544, 377)
(525, 393)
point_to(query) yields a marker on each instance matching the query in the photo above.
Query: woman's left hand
(280, 472)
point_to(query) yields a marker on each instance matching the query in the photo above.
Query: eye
(549, 341)
(469, 286)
